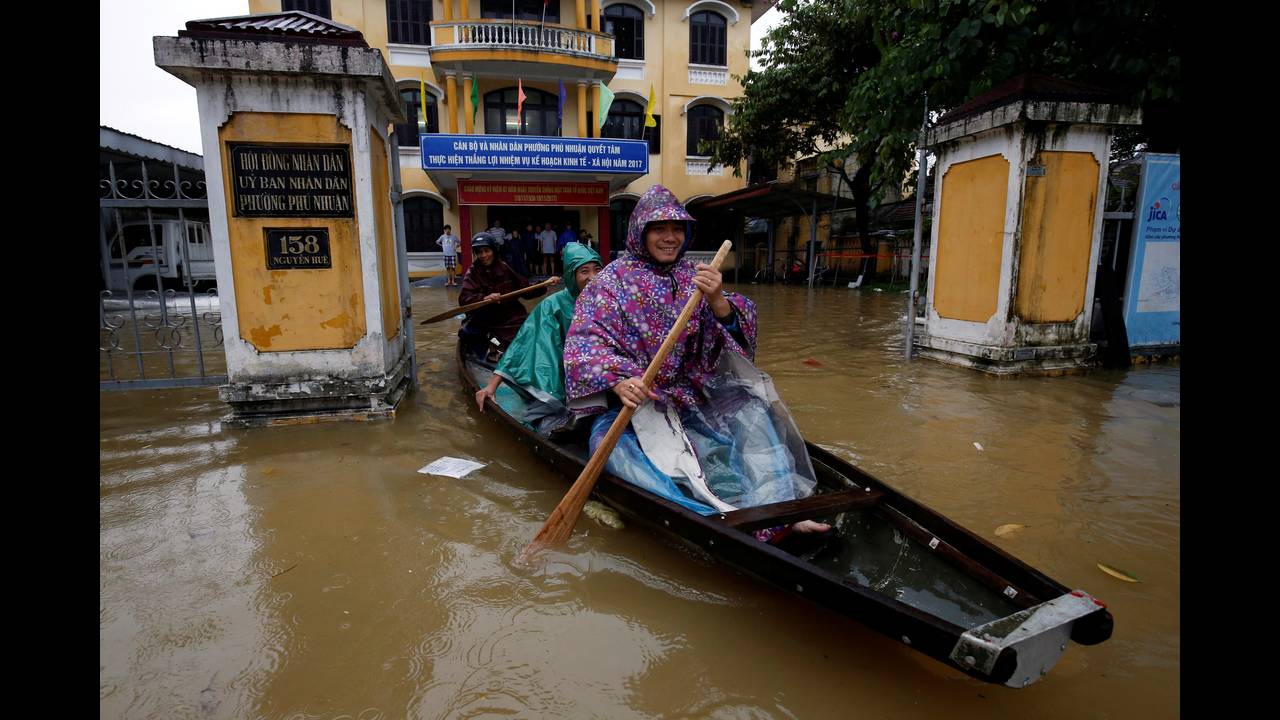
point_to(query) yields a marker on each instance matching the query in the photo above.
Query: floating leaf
(1117, 573)
(1009, 529)
(811, 362)
(979, 446)
(269, 471)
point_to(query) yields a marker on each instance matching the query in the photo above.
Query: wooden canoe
(892, 563)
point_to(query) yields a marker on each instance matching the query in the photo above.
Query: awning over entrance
(773, 199)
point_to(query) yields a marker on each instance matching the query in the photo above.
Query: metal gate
(159, 318)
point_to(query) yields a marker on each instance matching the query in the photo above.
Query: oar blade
(442, 316)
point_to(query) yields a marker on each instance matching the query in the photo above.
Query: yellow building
(686, 52)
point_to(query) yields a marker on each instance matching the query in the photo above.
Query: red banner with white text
(511, 192)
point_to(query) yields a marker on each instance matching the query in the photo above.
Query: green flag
(606, 99)
(475, 99)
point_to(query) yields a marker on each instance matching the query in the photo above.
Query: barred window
(407, 132)
(625, 121)
(705, 122)
(407, 21)
(539, 117)
(315, 7)
(525, 10)
(708, 33)
(626, 23)
(423, 223)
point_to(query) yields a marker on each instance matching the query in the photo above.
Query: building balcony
(524, 48)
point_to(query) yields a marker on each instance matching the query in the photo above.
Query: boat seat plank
(763, 516)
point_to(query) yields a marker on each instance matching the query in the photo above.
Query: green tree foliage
(848, 78)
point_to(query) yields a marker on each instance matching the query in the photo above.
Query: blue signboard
(1153, 292)
(533, 153)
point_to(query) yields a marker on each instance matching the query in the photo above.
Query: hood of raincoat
(656, 204)
(576, 255)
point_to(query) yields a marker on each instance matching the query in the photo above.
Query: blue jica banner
(1153, 291)
(531, 153)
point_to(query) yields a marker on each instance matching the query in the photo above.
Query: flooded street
(311, 572)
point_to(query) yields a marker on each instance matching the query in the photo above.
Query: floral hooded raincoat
(623, 316)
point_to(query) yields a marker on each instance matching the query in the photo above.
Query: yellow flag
(422, 116)
(648, 113)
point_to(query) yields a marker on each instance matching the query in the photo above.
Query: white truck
(135, 260)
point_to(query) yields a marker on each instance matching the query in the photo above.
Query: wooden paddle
(559, 525)
(468, 308)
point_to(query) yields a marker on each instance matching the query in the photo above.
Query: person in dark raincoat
(487, 278)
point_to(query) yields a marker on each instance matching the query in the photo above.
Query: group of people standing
(529, 252)
(580, 358)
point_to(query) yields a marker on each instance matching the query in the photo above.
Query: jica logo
(1159, 210)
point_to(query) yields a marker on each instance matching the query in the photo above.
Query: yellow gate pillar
(1017, 225)
(311, 281)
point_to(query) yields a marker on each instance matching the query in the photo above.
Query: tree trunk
(861, 187)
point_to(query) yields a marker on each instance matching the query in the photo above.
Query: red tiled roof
(1029, 86)
(293, 25)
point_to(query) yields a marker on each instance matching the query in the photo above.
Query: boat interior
(872, 544)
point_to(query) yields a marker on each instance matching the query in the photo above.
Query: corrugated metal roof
(1030, 86)
(136, 146)
(293, 25)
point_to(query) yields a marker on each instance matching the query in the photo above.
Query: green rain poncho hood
(575, 255)
(535, 359)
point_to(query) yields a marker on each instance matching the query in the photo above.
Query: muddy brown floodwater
(311, 572)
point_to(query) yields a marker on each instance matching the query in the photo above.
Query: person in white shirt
(500, 238)
(448, 243)
(547, 243)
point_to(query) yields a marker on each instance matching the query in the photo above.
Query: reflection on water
(312, 572)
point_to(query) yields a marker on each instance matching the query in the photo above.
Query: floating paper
(978, 446)
(451, 467)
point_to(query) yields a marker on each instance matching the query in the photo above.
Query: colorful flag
(520, 96)
(648, 113)
(606, 99)
(475, 99)
(422, 114)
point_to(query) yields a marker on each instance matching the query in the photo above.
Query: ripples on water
(310, 572)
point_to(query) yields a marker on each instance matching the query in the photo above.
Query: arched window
(525, 10)
(626, 23)
(539, 116)
(705, 122)
(407, 21)
(423, 223)
(625, 121)
(707, 38)
(407, 132)
(619, 217)
(315, 7)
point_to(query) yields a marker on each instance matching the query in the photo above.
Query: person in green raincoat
(534, 362)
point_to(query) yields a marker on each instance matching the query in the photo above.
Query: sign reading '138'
(298, 248)
(290, 180)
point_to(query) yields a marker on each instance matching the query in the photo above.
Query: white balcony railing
(520, 34)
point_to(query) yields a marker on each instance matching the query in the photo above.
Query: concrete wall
(261, 342)
(1016, 270)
